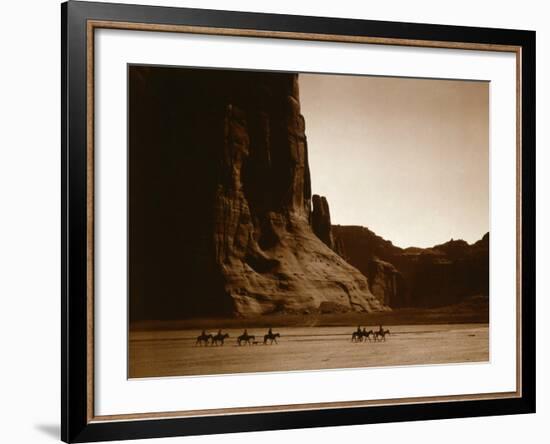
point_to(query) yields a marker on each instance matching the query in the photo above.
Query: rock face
(445, 274)
(374, 257)
(385, 281)
(320, 220)
(220, 201)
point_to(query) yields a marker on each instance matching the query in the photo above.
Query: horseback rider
(270, 332)
(203, 334)
(245, 333)
(220, 332)
(359, 329)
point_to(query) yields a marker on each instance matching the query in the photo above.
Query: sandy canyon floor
(171, 352)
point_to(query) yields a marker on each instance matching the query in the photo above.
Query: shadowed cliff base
(474, 310)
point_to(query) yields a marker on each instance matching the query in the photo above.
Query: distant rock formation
(220, 201)
(445, 274)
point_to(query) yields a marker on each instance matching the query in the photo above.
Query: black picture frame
(76, 424)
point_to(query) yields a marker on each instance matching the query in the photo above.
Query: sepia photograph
(283, 221)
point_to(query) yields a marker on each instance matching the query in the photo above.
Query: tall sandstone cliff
(220, 201)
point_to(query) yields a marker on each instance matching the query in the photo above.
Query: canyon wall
(220, 201)
(444, 274)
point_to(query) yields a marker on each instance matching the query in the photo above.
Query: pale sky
(407, 158)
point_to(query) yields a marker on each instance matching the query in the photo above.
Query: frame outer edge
(64, 273)
(74, 334)
(75, 426)
(528, 232)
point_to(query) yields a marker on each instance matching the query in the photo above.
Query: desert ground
(173, 352)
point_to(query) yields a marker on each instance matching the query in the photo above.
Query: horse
(203, 338)
(272, 337)
(357, 336)
(381, 334)
(219, 338)
(366, 334)
(245, 338)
